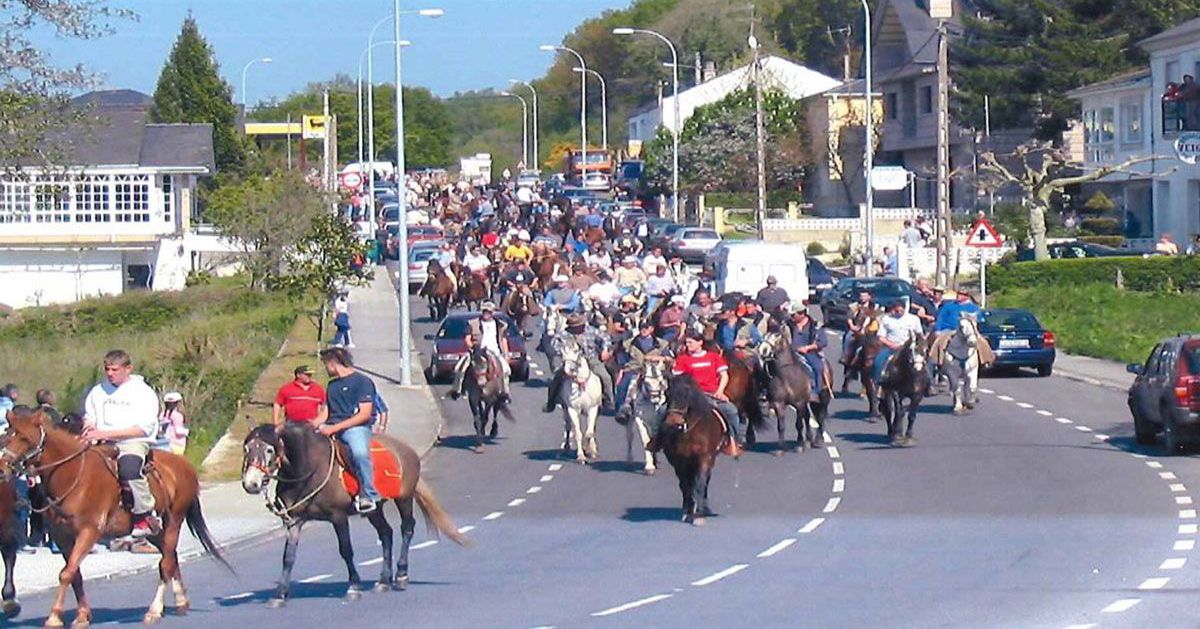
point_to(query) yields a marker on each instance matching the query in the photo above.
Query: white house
(115, 215)
(795, 80)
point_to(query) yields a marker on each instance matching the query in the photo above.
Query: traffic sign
(351, 181)
(314, 127)
(983, 235)
(887, 178)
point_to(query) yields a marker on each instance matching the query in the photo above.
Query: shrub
(1157, 274)
(1098, 204)
(815, 248)
(1101, 226)
(1108, 241)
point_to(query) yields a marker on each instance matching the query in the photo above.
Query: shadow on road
(864, 437)
(652, 514)
(462, 442)
(554, 454)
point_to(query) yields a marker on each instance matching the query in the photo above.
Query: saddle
(388, 470)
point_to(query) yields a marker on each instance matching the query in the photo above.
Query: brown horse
(520, 305)
(10, 542)
(81, 483)
(474, 290)
(545, 267)
(439, 290)
(308, 473)
(743, 391)
(690, 437)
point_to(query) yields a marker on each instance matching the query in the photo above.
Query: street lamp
(675, 98)
(247, 67)
(524, 126)
(370, 110)
(535, 155)
(603, 104)
(401, 187)
(582, 104)
(869, 158)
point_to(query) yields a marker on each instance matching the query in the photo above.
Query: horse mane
(683, 393)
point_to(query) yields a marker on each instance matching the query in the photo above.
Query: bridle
(270, 472)
(12, 460)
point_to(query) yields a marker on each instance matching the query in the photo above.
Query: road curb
(1086, 379)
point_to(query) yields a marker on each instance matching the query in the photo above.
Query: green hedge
(1181, 273)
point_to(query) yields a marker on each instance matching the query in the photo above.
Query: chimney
(660, 94)
(710, 71)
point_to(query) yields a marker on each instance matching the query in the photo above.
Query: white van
(744, 268)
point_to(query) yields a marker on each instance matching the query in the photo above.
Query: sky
(477, 44)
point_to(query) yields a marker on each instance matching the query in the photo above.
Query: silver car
(418, 265)
(691, 243)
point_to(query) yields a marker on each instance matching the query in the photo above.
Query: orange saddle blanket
(388, 474)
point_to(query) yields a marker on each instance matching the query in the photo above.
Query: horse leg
(644, 435)
(478, 410)
(495, 431)
(578, 435)
(290, 546)
(84, 540)
(700, 494)
(872, 391)
(804, 431)
(687, 481)
(593, 448)
(972, 383)
(408, 524)
(11, 606)
(914, 403)
(778, 409)
(168, 573)
(341, 526)
(384, 530)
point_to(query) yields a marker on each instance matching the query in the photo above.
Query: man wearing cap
(300, 400)
(808, 340)
(491, 334)
(948, 316)
(604, 293)
(734, 334)
(596, 349)
(772, 297)
(629, 276)
(672, 319)
(711, 374)
(562, 297)
(517, 250)
(637, 351)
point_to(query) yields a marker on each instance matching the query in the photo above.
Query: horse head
(24, 441)
(574, 365)
(262, 456)
(481, 363)
(654, 381)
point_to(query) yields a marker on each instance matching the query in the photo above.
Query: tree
(320, 264)
(265, 217)
(804, 28)
(190, 89)
(1043, 171)
(34, 94)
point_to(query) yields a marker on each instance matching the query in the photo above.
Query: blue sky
(477, 44)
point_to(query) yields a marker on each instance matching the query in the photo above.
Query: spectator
(341, 321)
(890, 262)
(911, 236)
(379, 411)
(300, 400)
(172, 425)
(924, 227)
(1165, 246)
(46, 404)
(8, 399)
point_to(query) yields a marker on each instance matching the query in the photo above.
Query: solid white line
(1183, 500)
(1045, 413)
(717, 576)
(516, 502)
(1187, 514)
(1120, 605)
(838, 468)
(1167, 475)
(533, 490)
(832, 505)
(839, 485)
(1154, 583)
(314, 579)
(554, 467)
(628, 606)
(1173, 563)
(1178, 487)
(987, 391)
(812, 525)
(466, 529)
(1087, 626)
(494, 515)
(1024, 405)
(1154, 464)
(1137, 455)
(370, 562)
(1062, 420)
(1005, 398)
(238, 597)
(1083, 429)
(1189, 529)
(424, 544)
(1101, 437)
(833, 452)
(546, 478)
(1184, 544)
(777, 547)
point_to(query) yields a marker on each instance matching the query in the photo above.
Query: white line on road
(1087, 626)
(319, 577)
(1178, 487)
(717, 576)
(1183, 500)
(533, 490)
(838, 468)
(827, 438)
(1189, 529)
(554, 467)
(839, 485)
(1187, 514)
(466, 529)
(1024, 405)
(987, 391)
(1083, 428)
(1154, 465)
(1045, 413)
(832, 505)
(1062, 420)
(1101, 437)
(370, 562)
(1166, 475)
(1184, 544)
(426, 544)
(1137, 455)
(1121, 605)
(634, 605)
(812, 525)
(238, 597)
(777, 547)
(516, 502)
(833, 452)
(546, 478)
(495, 515)
(1154, 583)
(1173, 563)
(1005, 398)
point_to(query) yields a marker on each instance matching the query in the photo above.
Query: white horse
(961, 364)
(580, 396)
(556, 325)
(650, 393)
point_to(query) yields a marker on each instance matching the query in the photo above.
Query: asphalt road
(1035, 511)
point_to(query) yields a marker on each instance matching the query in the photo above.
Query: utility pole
(760, 133)
(699, 71)
(325, 155)
(941, 11)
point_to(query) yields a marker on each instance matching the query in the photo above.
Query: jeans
(816, 369)
(847, 343)
(652, 302)
(358, 439)
(628, 379)
(731, 415)
(341, 337)
(885, 353)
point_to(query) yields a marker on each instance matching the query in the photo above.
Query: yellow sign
(315, 127)
(273, 128)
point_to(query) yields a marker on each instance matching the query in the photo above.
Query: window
(891, 106)
(1107, 125)
(1089, 126)
(1131, 123)
(92, 199)
(168, 198)
(131, 199)
(52, 202)
(14, 202)
(927, 99)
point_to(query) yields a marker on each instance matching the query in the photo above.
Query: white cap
(560, 278)
(678, 299)
(173, 396)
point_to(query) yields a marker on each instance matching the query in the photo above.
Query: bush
(1101, 226)
(1098, 204)
(1108, 241)
(776, 199)
(1157, 274)
(815, 248)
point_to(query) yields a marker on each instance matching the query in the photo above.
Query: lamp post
(869, 157)
(244, 69)
(370, 104)
(536, 155)
(582, 104)
(524, 126)
(675, 120)
(603, 105)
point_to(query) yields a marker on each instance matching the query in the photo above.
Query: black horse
(904, 378)
(308, 487)
(484, 395)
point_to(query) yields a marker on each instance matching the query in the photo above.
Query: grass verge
(1100, 321)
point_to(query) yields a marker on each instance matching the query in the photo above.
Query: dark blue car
(1018, 339)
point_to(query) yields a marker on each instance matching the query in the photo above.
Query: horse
(556, 326)
(482, 386)
(856, 364)
(439, 289)
(580, 396)
(792, 386)
(743, 390)
(861, 362)
(960, 362)
(691, 436)
(306, 469)
(648, 394)
(80, 481)
(10, 543)
(474, 290)
(904, 377)
(520, 305)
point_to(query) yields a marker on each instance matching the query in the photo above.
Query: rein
(35, 453)
(275, 504)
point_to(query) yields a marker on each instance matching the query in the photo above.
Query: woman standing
(172, 424)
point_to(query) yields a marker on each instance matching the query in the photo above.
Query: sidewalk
(1102, 373)
(234, 516)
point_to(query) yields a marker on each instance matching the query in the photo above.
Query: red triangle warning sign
(983, 235)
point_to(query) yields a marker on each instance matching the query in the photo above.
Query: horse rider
(636, 352)
(947, 323)
(490, 333)
(626, 245)
(860, 312)
(754, 316)
(476, 262)
(596, 348)
(653, 261)
(701, 309)
(659, 286)
(896, 328)
(629, 277)
(519, 275)
(561, 298)
(772, 298)
(350, 396)
(808, 340)
(736, 335)
(445, 258)
(123, 409)
(673, 319)
(517, 250)
(711, 374)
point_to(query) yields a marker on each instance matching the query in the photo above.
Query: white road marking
(466, 529)
(1083, 429)
(832, 505)
(634, 605)
(1166, 475)
(1154, 583)
(1183, 500)
(811, 526)
(833, 452)
(1187, 514)
(838, 468)
(1024, 405)
(370, 562)
(1189, 529)
(495, 515)
(516, 502)
(839, 485)
(1101, 437)
(533, 490)
(1087, 626)
(1137, 455)
(1121, 605)
(827, 438)
(777, 547)
(1178, 487)
(717, 576)
(238, 597)
(1063, 420)
(1184, 544)
(319, 577)
(1005, 398)
(1045, 413)
(1154, 464)
(1173, 563)
(987, 391)
(424, 544)
(546, 478)
(554, 467)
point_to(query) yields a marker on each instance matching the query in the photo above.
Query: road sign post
(983, 236)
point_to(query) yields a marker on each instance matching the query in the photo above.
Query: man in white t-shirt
(490, 333)
(123, 409)
(895, 329)
(475, 261)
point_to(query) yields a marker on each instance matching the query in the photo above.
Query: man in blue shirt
(949, 314)
(351, 403)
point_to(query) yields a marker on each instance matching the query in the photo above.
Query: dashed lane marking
(777, 547)
(370, 562)
(1187, 514)
(634, 605)
(1184, 544)
(1154, 583)
(717, 576)
(1063, 420)
(1167, 475)
(314, 579)
(238, 597)
(516, 502)
(1024, 405)
(1177, 487)
(1183, 500)
(833, 453)
(1045, 413)
(533, 490)
(832, 505)
(1189, 529)
(1121, 605)
(1082, 428)
(1101, 437)
(1154, 464)
(987, 391)
(838, 468)
(466, 529)
(554, 467)
(1174, 563)
(1086, 626)
(839, 485)
(1004, 397)
(427, 544)
(495, 515)
(811, 526)
(547, 478)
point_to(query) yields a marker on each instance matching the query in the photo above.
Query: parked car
(419, 233)
(1165, 396)
(835, 303)
(597, 181)
(449, 346)
(1080, 249)
(529, 179)
(1018, 339)
(691, 243)
(661, 234)
(819, 277)
(418, 266)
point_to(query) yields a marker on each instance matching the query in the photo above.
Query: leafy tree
(804, 29)
(190, 89)
(319, 265)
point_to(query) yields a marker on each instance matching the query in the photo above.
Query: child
(172, 424)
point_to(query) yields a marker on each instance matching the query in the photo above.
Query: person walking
(341, 321)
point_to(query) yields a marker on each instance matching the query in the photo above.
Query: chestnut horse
(691, 435)
(80, 481)
(439, 289)
(10, 542)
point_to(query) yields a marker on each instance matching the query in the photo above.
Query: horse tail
(503, 409)
(436, 518)
(199, 529)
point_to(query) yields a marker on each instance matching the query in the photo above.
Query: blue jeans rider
(351, 398)
(809, 341)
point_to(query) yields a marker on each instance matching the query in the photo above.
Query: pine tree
(190, 89)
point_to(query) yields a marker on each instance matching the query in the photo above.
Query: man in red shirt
(300, 400)
(711, 374)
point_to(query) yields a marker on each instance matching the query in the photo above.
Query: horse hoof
(12, 608)
(649, 471)
(353, 594)
(778, 453)
(873, 419)
(182, 609)
(477, 449)
(582, 460)
(400, 584)
(382, 586)
(276, 603)
(699, 521)
(816, 444)
(799, 449)
(148, 619)
(53, 621)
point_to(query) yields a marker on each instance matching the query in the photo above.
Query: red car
(417, 233)
(448, 347)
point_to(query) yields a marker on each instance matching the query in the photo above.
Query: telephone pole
(944, 266)
(760, 133)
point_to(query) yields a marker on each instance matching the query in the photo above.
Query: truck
(598, 161)
(476, 169)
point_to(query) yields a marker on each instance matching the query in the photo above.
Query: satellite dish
(753, 42)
